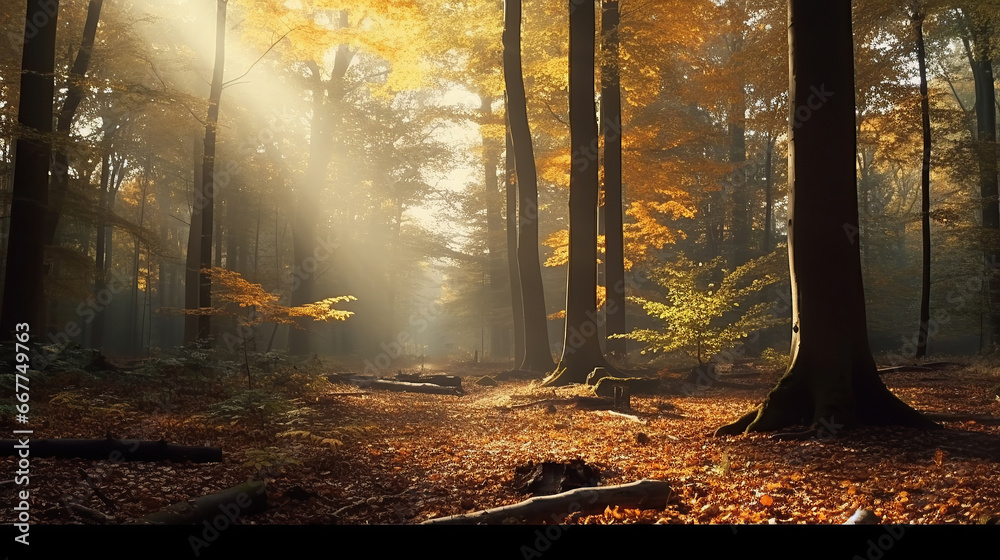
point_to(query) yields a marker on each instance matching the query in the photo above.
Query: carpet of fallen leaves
(405, 458)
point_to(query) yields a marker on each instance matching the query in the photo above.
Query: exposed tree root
(793, 403)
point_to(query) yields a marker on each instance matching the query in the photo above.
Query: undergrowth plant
(703, 318)
(252, 306)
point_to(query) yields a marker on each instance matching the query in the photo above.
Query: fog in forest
(361, 151)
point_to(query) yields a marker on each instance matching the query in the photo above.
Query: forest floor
(404, 458)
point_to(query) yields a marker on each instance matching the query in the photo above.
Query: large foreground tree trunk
(979, 53)
(581, 345)
(537, 355)
(23, 295)
(831, 381)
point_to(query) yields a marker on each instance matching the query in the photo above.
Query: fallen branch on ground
(245, 499)
(644, 494)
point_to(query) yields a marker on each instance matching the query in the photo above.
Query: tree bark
(581, 345)
(614, 236)
(499, 336)
(192, 257)
(917, 20)
(768, 243)
(537, 355)
(513, 271)
(208, 174)
(23, 294)
(74, 95)
(831, 381)
(986, 148)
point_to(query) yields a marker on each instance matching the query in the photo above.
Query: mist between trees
(366, 157)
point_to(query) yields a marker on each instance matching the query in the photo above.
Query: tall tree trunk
(23, 294)
(327, 115)
(513, 273)
(925, 185)
(739, 182)
(193, 254)
(208, 174)
(537, 355)
(831, 381)
(100, 241)
(499, 336)
(74, 95)
(111, 177)
(614, 236)
(581, 345)
(986, 148)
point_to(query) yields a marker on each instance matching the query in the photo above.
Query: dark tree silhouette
(831, 382)
(917, 20)
(208, 174)
(978, 46)
(74, 95)
(23, 294)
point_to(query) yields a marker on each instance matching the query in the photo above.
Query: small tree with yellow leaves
(701, 317)
(234, 293)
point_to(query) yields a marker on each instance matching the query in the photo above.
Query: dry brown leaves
(406, 458)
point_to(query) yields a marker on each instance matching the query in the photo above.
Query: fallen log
(588, 403)
(89, 513)
(931, 366)
(114, 450)
(617, 414)
(436, 379)
(403, 386)
(963, 417)
(644, 494)
(245, 499)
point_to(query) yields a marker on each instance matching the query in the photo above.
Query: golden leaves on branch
(231, 288)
